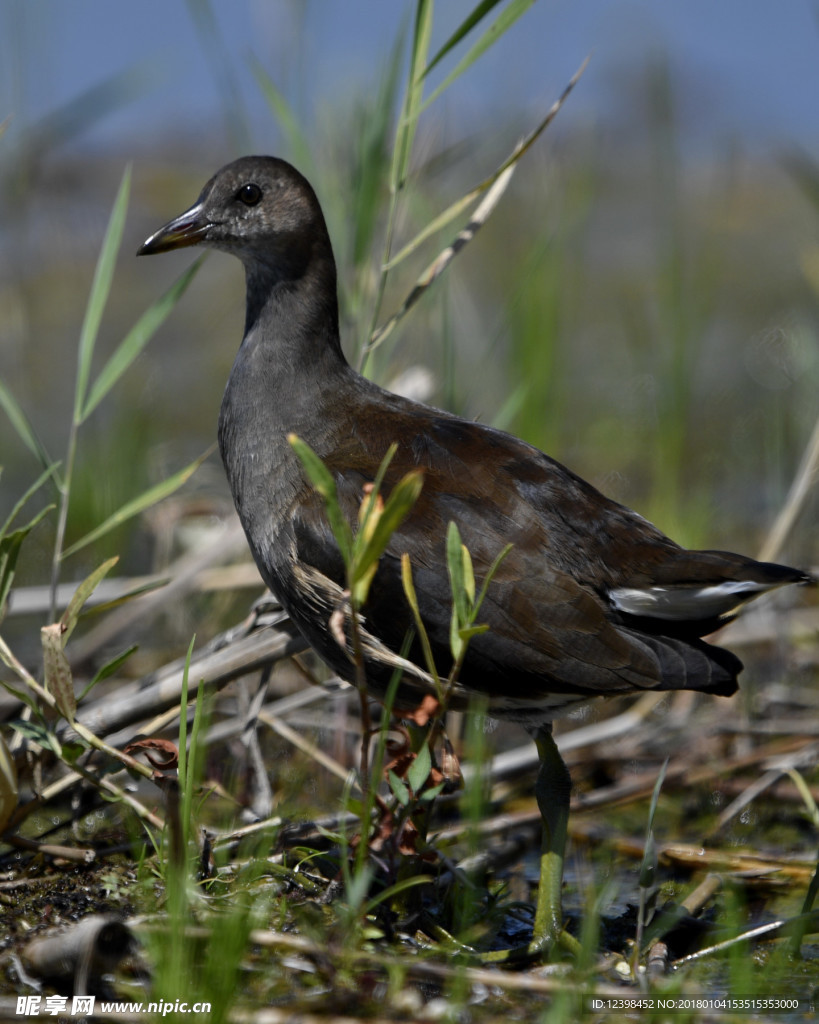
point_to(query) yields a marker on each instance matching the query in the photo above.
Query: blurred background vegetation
(642, 304)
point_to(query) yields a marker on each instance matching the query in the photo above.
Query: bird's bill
(188, 228)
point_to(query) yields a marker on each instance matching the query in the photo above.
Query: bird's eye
(249, 194)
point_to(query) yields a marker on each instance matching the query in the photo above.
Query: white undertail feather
(684, 603)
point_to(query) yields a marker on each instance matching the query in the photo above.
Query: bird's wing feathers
(550, 630)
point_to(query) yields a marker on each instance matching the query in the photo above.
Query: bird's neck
(292, 303)
(288, 374)
(290, 356)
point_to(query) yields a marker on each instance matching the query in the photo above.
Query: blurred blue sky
(744, 81)
(745, 71)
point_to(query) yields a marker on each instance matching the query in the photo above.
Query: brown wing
(552, 629)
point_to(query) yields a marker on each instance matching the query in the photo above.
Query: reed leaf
(18, 506)
(108, 669)
(136, 339)
(463, 30)
(23, 427)
(139, 504)
(408, 123)
(10, 544)
(412, 599)
(505, 20)
(298, 147)
(461, 204)
(322, 480)
(100, 289)
(85, 589)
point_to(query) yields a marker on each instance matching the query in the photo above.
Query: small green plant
(466, 605)
(648, 874)
(360, 551)
(184, 959)
(399, 828)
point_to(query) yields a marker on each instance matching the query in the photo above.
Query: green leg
(552, 791)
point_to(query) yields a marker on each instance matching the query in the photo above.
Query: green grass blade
(435, 225)
(655, 796)
(457, 579)
(469, 575)
(184, 771)
(501, 176)
(463, 30)
(100, 289)
(139, 504)
(382, 470)
(460, 609)
(10, 545)
(41, 479)
(136, 339)
(194, 755)
(496, 183)
(108, 669)
(408, 123)
(401, 152)
(399, 790)
(24, 696)
(648, 867)
(394, 890)
(420, 768)
(85, 589)
(369, 504)
(366, 555)
(522, 147)
(322, 481)
(444, 258)
(103, 607)
(493, 568)
(373, 156)
(220, 63)
(22, 425)
(810, 804)
(396, 508)
(412, 600)
(505, 20)
(298, 147)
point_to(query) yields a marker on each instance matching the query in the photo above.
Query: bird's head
(258, 208)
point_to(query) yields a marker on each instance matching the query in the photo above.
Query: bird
(591, 600)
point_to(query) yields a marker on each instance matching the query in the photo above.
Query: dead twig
(806, 476)
(227, 658)
(806, 754)
(785, 927)
(683, 855)
(72, 853)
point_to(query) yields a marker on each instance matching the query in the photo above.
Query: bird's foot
(541, 947)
